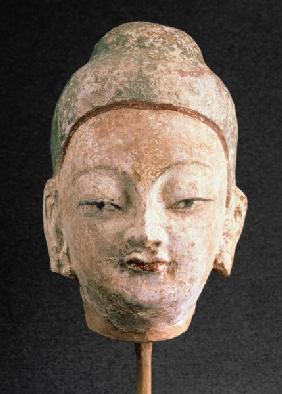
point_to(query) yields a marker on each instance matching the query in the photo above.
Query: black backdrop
(234, 342)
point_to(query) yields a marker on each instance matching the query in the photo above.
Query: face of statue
(141, 200)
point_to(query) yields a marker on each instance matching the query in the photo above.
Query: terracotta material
(143, 202)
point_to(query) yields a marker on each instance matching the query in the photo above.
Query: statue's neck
(99, 324)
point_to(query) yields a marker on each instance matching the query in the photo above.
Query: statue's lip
(154, 265)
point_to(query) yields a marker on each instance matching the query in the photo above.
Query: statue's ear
(234, 222)
(57, 246)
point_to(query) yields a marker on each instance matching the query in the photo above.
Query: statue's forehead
(141, 142)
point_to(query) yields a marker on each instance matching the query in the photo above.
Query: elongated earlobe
(57, 246)
(234, 223)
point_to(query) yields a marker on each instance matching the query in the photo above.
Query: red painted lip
(151, 266)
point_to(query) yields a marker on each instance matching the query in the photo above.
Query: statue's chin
(134, 327)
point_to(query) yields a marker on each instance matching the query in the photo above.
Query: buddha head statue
(143, 202)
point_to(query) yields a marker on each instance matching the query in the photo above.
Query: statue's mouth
(156, 265)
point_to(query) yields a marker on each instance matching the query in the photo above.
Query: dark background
(234, 342)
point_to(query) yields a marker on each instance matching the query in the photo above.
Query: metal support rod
(144, 367)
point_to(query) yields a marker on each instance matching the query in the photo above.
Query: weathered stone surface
(143, 203)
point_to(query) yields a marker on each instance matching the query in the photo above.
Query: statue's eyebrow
(183, 162)
(111, 171)
(116, 171)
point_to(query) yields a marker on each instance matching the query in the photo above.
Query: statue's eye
(100, 205)
(187, 203)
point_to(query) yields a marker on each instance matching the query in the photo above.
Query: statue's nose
(147, 230)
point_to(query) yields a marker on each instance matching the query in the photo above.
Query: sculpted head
(143, 202)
